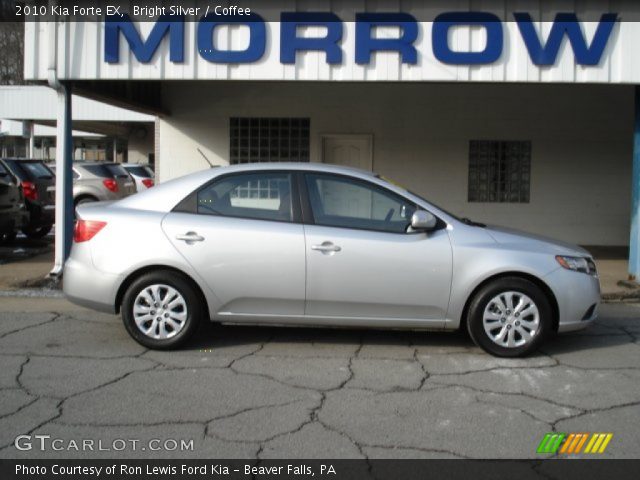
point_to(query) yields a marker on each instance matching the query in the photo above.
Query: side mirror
(423, 220)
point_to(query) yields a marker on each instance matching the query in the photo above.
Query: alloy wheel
(511, 319)
(160, 311)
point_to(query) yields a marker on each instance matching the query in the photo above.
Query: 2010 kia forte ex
(314, 244)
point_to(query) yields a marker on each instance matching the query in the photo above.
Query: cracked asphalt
(249, 392)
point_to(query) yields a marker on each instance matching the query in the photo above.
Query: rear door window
(263, 196)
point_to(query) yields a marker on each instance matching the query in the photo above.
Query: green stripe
(558, 442)
(551, 442)
(543, 443)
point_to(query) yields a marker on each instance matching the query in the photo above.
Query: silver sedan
(314, 244)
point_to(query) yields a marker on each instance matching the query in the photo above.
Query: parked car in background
(100, 181)
(316, 244)
(13, 211)
(141, 174)
(37, 182)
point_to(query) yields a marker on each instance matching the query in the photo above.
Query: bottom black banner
(324, 469)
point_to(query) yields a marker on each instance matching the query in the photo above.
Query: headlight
(577, 264)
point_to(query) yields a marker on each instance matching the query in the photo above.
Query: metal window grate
(499, 171)
(269, 140)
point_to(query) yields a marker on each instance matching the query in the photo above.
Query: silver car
(99, 181)
(314, 244)
(141, 174)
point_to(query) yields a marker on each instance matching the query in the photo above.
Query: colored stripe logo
(573, 443)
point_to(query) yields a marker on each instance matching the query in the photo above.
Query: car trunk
(38, 174)
(126, 185)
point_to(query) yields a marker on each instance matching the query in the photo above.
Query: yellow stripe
(584, 439)
(567, 442)
(596, 445)
(605, 443)
(590, 444)
(576, 439)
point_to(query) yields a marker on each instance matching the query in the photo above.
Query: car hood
(534, 242)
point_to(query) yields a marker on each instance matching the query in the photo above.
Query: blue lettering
(143, 50)
(365, 44)
(566, 24)
(257, 39)
(290, 43)
(440, 38)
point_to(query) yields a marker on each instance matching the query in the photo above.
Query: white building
(28, 114)
(514, 113)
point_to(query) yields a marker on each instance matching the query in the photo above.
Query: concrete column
(64, 180)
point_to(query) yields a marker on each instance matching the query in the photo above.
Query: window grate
(268, 140)
(499, 171)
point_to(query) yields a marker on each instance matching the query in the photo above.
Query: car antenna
(205, 157)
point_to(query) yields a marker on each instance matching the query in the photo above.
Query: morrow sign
(543, 52)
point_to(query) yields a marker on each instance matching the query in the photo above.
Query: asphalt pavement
(247, 392)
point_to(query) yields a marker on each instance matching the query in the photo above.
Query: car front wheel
(509, 317)
(161, 310)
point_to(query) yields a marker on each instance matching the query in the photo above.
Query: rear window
(117, 171)
(107, 170)
(3, 171)
(30, 170)
(139, 171)
(37, 169)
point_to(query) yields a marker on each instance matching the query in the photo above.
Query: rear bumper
(88, 287)
(578, 297)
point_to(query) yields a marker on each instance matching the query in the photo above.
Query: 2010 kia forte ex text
(314, 244)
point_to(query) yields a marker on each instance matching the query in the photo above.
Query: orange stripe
(575, 442)
(567, 442)
(582, 442)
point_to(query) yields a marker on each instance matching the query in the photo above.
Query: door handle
(190, 237)
(326, 247)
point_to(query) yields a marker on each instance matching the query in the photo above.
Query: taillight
(111, 184)
(147, 182)
(30, 191)
(87, 229)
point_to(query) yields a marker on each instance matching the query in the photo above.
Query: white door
(348, 150)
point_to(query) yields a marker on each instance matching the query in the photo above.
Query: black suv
(13, 212)
(38, 188)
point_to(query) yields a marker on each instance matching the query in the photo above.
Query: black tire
(84, 199)
(195, 309)
(8, 237)
(38, 232)
(486, 294)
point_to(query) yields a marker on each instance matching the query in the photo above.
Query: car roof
(306, 166)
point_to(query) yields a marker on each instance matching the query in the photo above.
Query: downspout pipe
(64, 178)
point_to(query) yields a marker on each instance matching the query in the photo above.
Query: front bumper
(88, 287)
(578, 297)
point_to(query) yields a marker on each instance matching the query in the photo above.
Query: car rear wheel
(38, 232)
(161, 310)
(509, 317)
